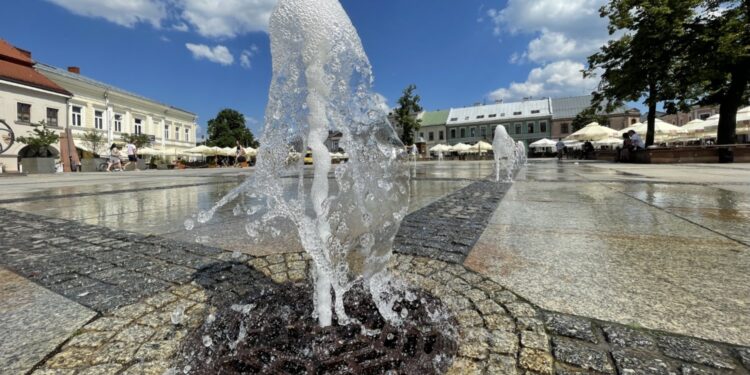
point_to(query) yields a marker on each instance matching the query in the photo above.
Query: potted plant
(94, 141)
(37, 156)
(140, 141)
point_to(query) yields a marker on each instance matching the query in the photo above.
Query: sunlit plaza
(232, 191)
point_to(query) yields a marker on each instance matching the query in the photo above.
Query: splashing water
(322, 83)
(521, 154)
(506, 155)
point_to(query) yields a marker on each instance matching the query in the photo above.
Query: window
(138, 128)
(431, 136)
(463, 132)
(24, 112)
(483, 132)
(187, 135)
(530, 126)
(480, 117)
(517, 113)
(421, 134)
(75, 116)
(118, 123)
(440, 135)
(534, 111)
(473, 132)
(564, 128)
(466, 118)
(518, 128)
(166, 131)
(543, 126)
(633, 121)
(52, 116)
(454, 119)
(703, 116)
(502, 115)
(177, 133)
(98, 120)
(453, 133)
(492, 115)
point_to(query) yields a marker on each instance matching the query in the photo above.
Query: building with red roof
(27, 97)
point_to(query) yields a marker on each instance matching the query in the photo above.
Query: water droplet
(207, 342)
(178, 315)
(189, 224)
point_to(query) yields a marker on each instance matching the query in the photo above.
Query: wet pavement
(597, 240)
(617, 247)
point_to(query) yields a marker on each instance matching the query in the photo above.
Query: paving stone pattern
(151, 291)
(448, 228)
(97, 267)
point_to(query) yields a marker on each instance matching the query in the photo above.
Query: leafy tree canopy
(588, 116)
(406, 114)
(40, 140)
(93, 140)
(229, 127)
(139, 140)
(642, 62)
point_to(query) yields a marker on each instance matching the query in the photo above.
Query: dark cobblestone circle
(282, 337)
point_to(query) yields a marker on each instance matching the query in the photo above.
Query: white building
(116, 112)
(26, 98)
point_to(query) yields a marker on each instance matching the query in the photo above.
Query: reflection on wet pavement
(591, 241)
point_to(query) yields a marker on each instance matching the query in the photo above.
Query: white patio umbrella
(695, 126)
(611, 142)
(249, 151)
(482, 147)
(149, 151)
(440, 148)
(461, 148)
(543, 143)
(592, 132)
(202, 149)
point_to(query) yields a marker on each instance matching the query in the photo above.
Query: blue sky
(204, 55)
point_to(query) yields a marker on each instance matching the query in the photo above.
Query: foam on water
(322, 83)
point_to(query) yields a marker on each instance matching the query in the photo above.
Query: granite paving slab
(33, 322)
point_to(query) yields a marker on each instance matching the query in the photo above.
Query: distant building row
(527, 121)
(31, 93)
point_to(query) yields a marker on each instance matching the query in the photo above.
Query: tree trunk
(651, 114)
(730, 103)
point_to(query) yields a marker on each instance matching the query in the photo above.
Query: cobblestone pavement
(140, 328)
(447, 229)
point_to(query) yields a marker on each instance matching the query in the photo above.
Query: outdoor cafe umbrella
(461, 148)
(148, 151)
(695, 126)
(482, 146)
(441, 148)
(543, 143)
(202, 149)
(593, 132)
(611, 142)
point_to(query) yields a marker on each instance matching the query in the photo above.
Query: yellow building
(115, 112)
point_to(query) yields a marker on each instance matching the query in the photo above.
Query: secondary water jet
(505, 152)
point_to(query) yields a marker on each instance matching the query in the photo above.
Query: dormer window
(492, 115)
(535, 111)
(480, 117)
(517, 113)
(454, 119)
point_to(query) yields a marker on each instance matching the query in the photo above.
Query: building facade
(697, 112)
(526, 121)
(115, 112)
(565, 111)
(26, 98)
(432, 127)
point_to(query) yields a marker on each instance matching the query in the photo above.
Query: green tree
(139, 140)
(40, 140)
(716, 71)
(588, 116)
(93, 140)
(643, 61)
(229, 127)
(406, 114)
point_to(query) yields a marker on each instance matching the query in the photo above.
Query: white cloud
(245, 59)
(247, 55)
(563, 29)
(209, 18)
(226, 18)
(558, 79)
(122, 12)
(165, 39)
(218, 54)
(181, 26)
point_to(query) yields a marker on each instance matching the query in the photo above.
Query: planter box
(89, 165)
(38, 165)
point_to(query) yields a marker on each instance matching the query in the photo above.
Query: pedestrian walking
(132, 151)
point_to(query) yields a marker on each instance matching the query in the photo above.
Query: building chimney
(74, 69)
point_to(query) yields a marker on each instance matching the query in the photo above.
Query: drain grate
(280, 336)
